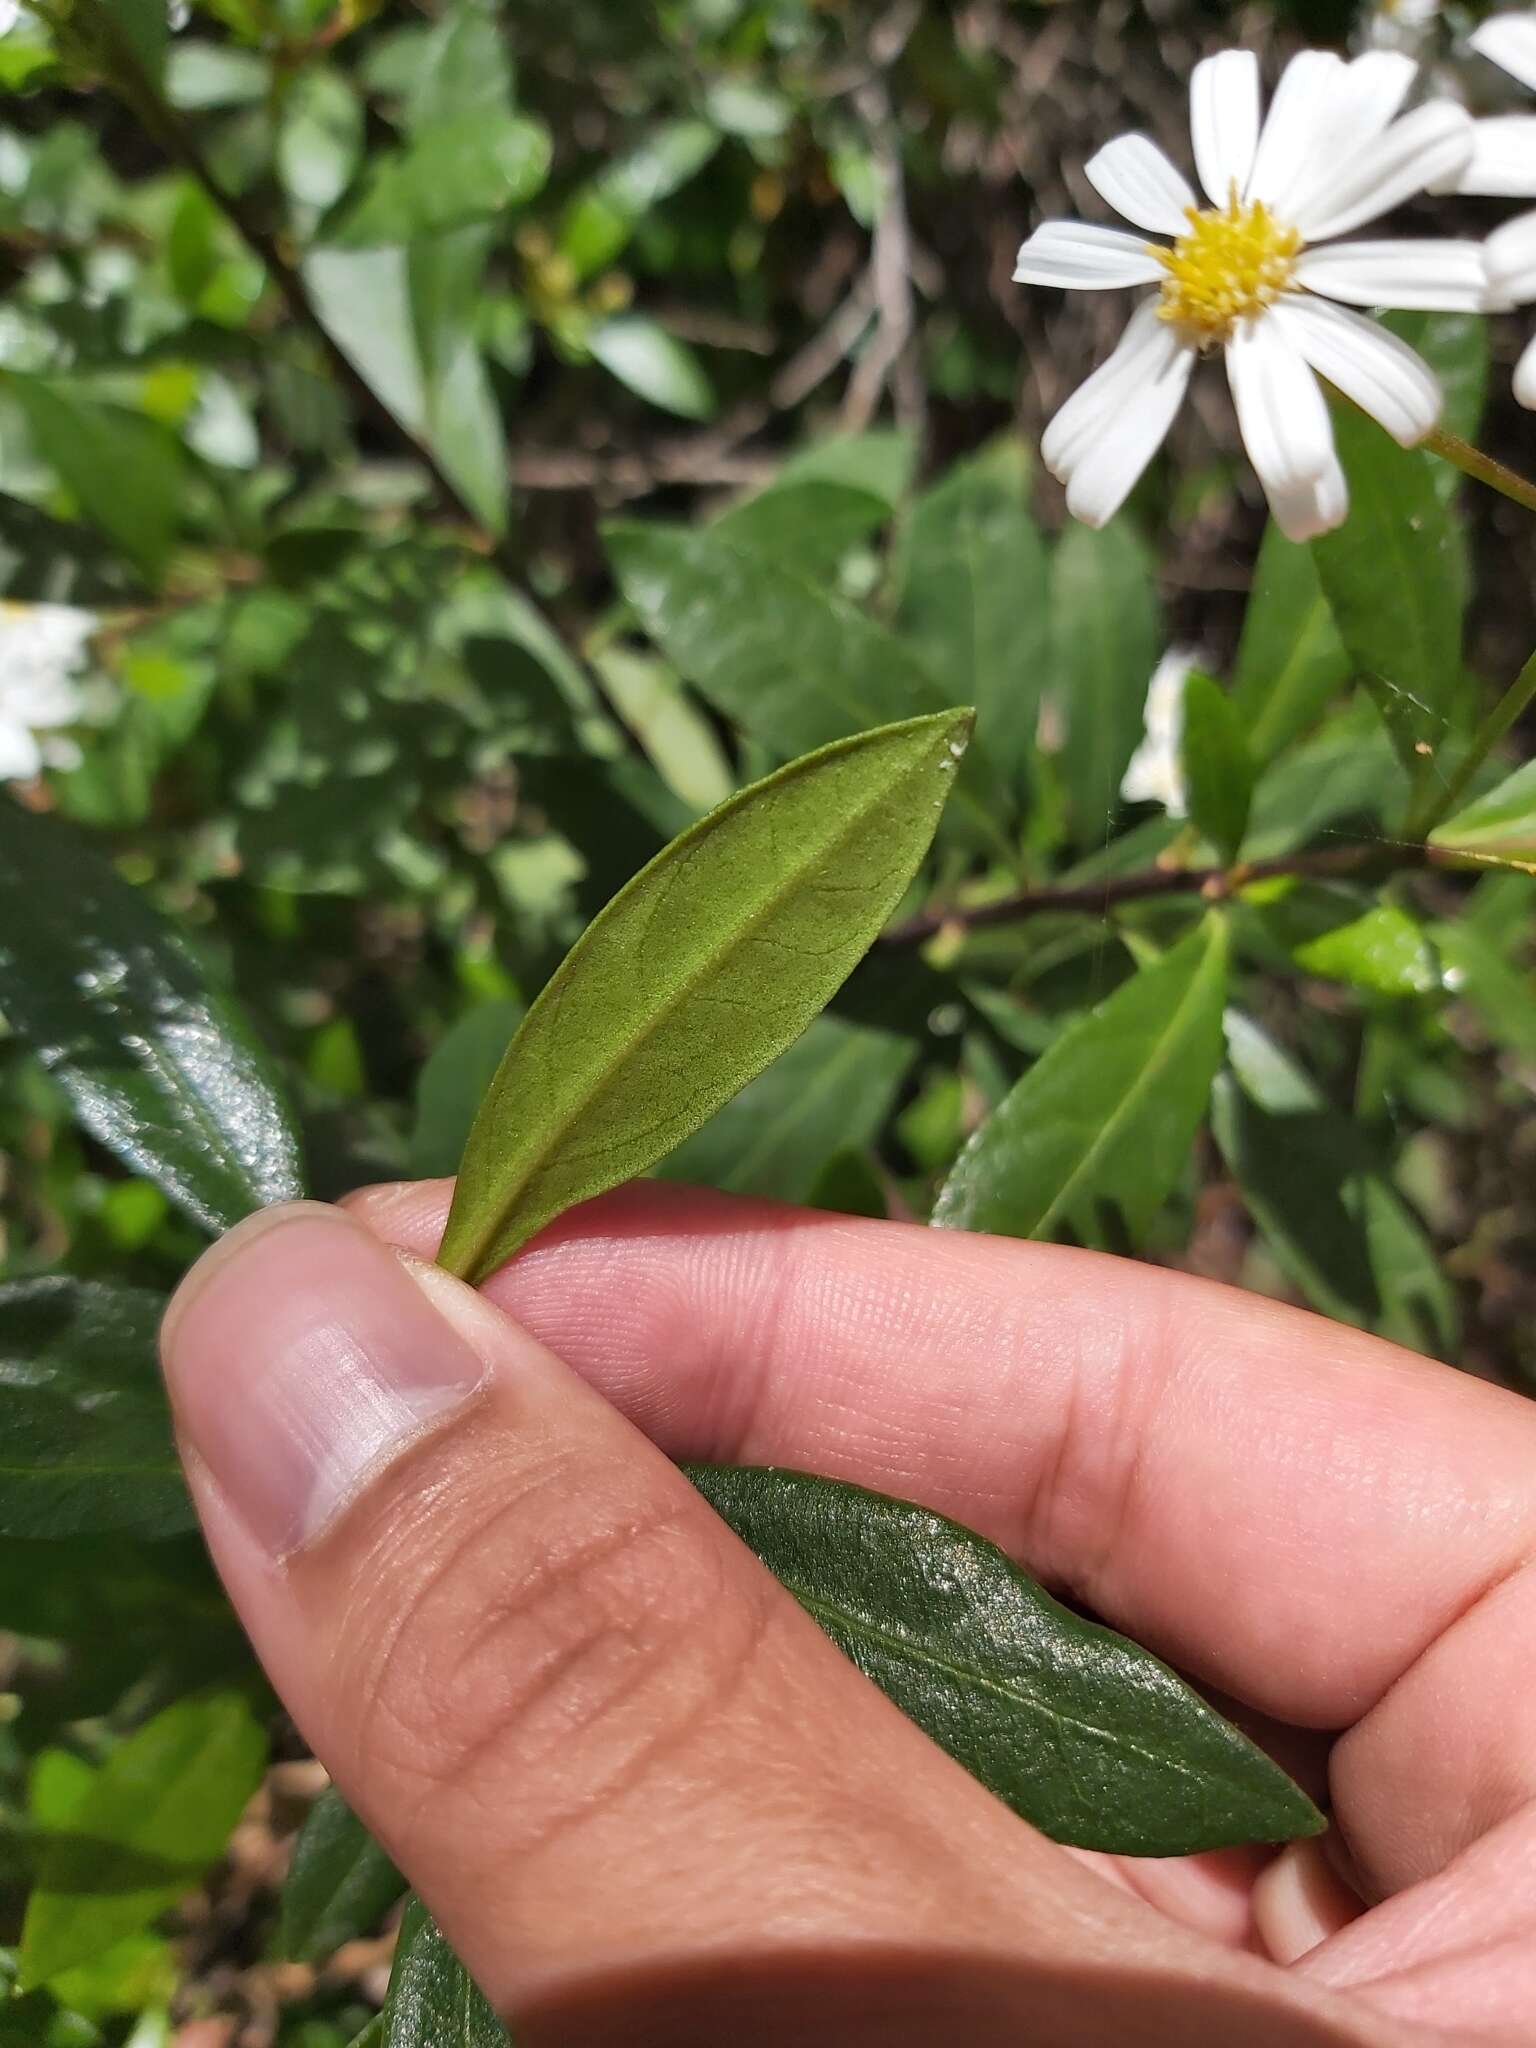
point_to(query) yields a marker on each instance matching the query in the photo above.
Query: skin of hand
(645, 1797)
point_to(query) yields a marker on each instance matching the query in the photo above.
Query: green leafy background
(490, 437)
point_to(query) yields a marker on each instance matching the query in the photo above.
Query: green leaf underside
(339, 1886)
(157, 1815)
(700, 972)
(433, 2001)
(1089, 1737)
(160, 1068)
(1108, 1113)
(87, 1446)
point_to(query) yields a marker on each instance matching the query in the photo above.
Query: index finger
(1287, 1506)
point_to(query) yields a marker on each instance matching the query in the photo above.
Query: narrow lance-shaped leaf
(1393, 578)
(1097, 1133)
(339, 1886)
(1089, 1737)
(1498, 829)
(162, 1069)
(433, 2001)
(1291, 662)
(87, 1447)
(1218, 769)
(794, 665)
(1330, 1215)
(158, 1813)
(698, 973)
(1104, 618)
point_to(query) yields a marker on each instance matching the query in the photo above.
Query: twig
(888, 359)
(1327, 863)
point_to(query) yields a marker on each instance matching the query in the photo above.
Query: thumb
(579, 1714)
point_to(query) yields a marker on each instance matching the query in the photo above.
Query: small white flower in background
(10, 14)
(1401, 24)
(1503, 166)
(43, 649)
(1245, 274)
(1156, 771)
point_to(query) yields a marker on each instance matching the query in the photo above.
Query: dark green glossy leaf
(161, 1068)
(1393, 578)
(1291, 663)
(124, 470)
(1334, 1221)
(1083, 1733)
(339, 1886)
(808, 526)
(765, 644)
(698, 974)
(1218, 768)
(86, 1446)
(1097, 1133)
(1105, 623)
(974, 599)
(793, 664)
(831, 1091)
(433, 2001)
(159, 1812)
(1348, 773)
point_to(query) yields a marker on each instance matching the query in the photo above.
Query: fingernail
(302, 1358)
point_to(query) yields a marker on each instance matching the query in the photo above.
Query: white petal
(1374, 88)
(1509, 261)
(20, 756)
(1509, 41)
(1286, 154)
(1438, 277)
(1224, 121)
(1525, 376)
(1380, 373)
(1430, 144)
(1311, 508)
(1111, 427)
(1139, 182)
(1503, 160)
(1354, 107)
(1075, 255)
(1280, 406)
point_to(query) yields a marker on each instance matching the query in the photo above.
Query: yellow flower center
(1234, 261)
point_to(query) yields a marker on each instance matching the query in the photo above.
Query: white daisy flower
(43, 648)
(1156, 771)
(1246, 274)
(1503, 166)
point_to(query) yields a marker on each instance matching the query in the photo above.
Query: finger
(588, 1726)
(1292, 1509)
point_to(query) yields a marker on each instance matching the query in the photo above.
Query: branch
(1368, 859)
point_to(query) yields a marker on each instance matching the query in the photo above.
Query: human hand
(646, 1799)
